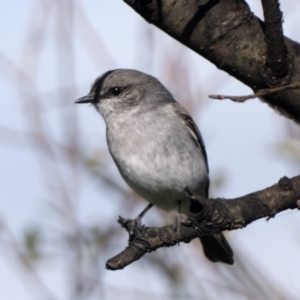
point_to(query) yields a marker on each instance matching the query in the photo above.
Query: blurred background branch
(61, 194)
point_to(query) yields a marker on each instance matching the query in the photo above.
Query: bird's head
(121, 90)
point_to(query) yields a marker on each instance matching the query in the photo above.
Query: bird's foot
(133, 226)
(178, 221)
(177, 226)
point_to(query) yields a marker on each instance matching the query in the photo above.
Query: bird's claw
(133, 226)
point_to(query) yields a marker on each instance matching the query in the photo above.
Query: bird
(155, 144)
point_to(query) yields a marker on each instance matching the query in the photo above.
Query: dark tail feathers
(216, 248)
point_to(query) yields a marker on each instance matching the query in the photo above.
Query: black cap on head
(95, 88)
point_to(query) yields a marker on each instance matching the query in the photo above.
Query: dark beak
(86, 99)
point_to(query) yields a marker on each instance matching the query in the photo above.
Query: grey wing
(194, 131)
(216, 247)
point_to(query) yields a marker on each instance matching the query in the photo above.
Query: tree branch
(228, 34)
(209, 216)
(260, 93)
(276, 60)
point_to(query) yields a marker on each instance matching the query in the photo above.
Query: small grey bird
(155, 144)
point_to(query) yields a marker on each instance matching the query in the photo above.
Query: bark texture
(209, 216)
(229, 35)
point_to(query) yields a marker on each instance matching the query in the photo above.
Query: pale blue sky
(240, 139)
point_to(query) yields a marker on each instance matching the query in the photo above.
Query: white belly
(159, 166)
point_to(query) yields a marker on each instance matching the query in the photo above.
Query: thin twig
(260, 93)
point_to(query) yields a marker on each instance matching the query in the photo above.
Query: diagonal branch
(229, 35)
(209, 216)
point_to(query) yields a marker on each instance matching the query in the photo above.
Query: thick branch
(227, 33)
(276, 60)
(210, 216)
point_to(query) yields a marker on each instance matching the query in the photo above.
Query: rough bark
(209, 216)
(229, 35)
(277, 55)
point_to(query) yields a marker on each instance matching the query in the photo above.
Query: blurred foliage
(291, 150)
(289, 147)
(32, 245)
(79, 249)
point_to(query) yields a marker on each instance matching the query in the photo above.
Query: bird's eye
(116, 91)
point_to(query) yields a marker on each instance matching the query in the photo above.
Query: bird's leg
(178, 220)
(134, 224)
(140, 216)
